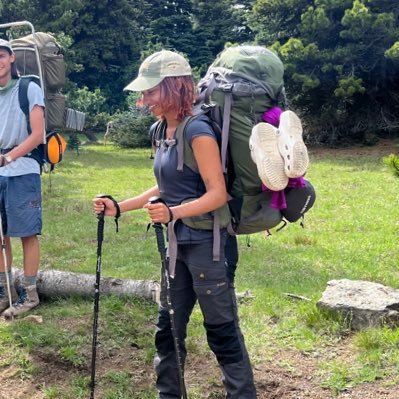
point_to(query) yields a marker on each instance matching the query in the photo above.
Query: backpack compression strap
(205, 97)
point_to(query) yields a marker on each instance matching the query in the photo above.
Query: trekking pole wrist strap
(117, 207)
(171, 216)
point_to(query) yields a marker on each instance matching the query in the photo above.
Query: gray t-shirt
(13, 129)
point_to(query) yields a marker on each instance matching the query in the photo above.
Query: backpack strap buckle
(227, 87)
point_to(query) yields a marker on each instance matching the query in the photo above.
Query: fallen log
(53, 283)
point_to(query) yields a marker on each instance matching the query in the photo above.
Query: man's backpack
(52, 150)
(39, 59)
(39, 55)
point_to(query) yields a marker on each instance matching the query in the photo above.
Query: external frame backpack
(39, 59)
(241, 84)
(52, 150)
(39, 55)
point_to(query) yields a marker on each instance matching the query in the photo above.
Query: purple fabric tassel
(297, 182)
(272, 116)
(278, 197)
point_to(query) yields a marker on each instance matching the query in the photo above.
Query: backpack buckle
(226, 87)
(207, 106)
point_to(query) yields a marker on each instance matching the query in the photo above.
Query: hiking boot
(266, 155)
(291, 145)
(4, 299)
(28, 299)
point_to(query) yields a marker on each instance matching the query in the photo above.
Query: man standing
(20, 185)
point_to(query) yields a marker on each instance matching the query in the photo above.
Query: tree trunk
(57, 283)
(91, 136)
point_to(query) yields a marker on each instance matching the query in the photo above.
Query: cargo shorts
(21, 205)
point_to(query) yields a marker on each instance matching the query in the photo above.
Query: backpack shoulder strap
(184, 152)
(156, 133)
(23, 99)
(182, 146)
(37, 153)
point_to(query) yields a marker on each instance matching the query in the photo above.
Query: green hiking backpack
(240, 85)
(244, 81)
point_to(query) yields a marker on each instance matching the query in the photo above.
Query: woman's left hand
(158, 212)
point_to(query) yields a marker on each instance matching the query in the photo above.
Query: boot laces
(21, 299)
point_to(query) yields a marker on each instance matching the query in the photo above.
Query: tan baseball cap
(158, 66)
(7, 45)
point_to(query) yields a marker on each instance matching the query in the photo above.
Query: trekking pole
(165, 270)
(100, 237)
(5, 262)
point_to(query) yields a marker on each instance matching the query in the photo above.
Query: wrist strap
(116, 205)
(171, 216)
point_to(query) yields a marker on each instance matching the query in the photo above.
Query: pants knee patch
(224, 342)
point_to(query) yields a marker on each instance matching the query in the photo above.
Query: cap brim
(9, 49)
(143, 83)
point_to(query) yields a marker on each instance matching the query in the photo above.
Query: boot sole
(266, 156)
(291, 145)
(19, 311)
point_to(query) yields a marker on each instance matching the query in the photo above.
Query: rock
(244, 296)
(362, 303)
(33, 319)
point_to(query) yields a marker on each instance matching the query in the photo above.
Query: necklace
(170, 132)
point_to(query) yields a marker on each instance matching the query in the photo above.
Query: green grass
(352, 232)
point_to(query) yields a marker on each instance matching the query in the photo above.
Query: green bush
(92, 103)
(130, 129)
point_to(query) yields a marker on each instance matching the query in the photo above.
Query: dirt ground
(300, 380)
(382, 149)
(290, 375)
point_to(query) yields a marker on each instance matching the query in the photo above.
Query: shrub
(92, 103)
(129, 129)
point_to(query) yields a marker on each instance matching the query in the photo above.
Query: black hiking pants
(199, 278)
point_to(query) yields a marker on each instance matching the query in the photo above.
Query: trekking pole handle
(155, 199)
(100, 225)
(159, 229)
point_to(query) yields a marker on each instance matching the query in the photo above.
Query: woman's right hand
(104, 205)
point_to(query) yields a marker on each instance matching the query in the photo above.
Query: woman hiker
(167, 89)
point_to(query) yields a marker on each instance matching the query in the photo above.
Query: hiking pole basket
(100, 237)
(165, 271)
